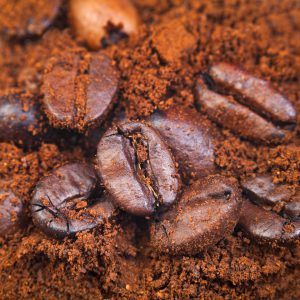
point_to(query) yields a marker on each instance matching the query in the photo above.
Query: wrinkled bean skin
(272, 214)
(137, 168)
(266, 226)
(20, 120)
(190, 137)
(259, 114)
(11, 212)
(79, 89)
(208, 211)
(55, 199)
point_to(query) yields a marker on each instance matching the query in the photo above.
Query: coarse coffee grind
(149, 149)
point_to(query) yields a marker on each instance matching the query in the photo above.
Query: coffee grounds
(115, 260)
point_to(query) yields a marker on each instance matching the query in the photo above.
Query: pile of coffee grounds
(177, 40)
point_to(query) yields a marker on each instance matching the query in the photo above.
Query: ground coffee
(245, 246)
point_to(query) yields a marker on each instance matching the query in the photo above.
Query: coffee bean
(79, 89)
(95, 20)
(256, 93)
(137, 168)
(93, 135)
(292, 208)
(207, 211)
(263, 191)
(261, 114)
(20, 119)
(273, 215)
(190, 137)
(266, 226)
(11, 212)
(66, 202)
(26, 18)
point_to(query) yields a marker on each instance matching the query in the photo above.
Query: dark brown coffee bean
(22, 18)
(267, 226)
(207, 211)
(275, 214)
(263, 191)
(11, 212)
(137, 168)
(292, 208)
(94, 20)
(93, 135)
(256, 93)
(66, 201)
(20, 119)
(190, 137)
(261, 111)
(280, 197)
(79, 89)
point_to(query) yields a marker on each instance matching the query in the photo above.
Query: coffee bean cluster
(160, 168)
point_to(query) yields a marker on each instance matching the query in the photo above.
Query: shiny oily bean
(137, 168)
(208, 210)
(256, 111)
(191, 138)
(11, 212)
(272, 214)
(99, 21)
(79, 89)
(66, 201)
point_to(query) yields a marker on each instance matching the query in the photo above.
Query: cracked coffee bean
(11, 212)
(208, 210)
(272, 214)
(22, 18)
(137, 168)
(191, 138)
(20, 119)
(79, 89)
(245, 104)
(98, 21)
(66, 202)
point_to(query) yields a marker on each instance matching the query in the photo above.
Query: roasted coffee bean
(95, 20)
(11, 212)
(292, 208)
(267, 226)
(137, 168)
(190, 137)
(280, 197)
(93, 135)
(207, 211)
(20, 119)
(261, 114)
(273, 215)
(263, 191)
(22, 18)
(79, 89)
(66, 201)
